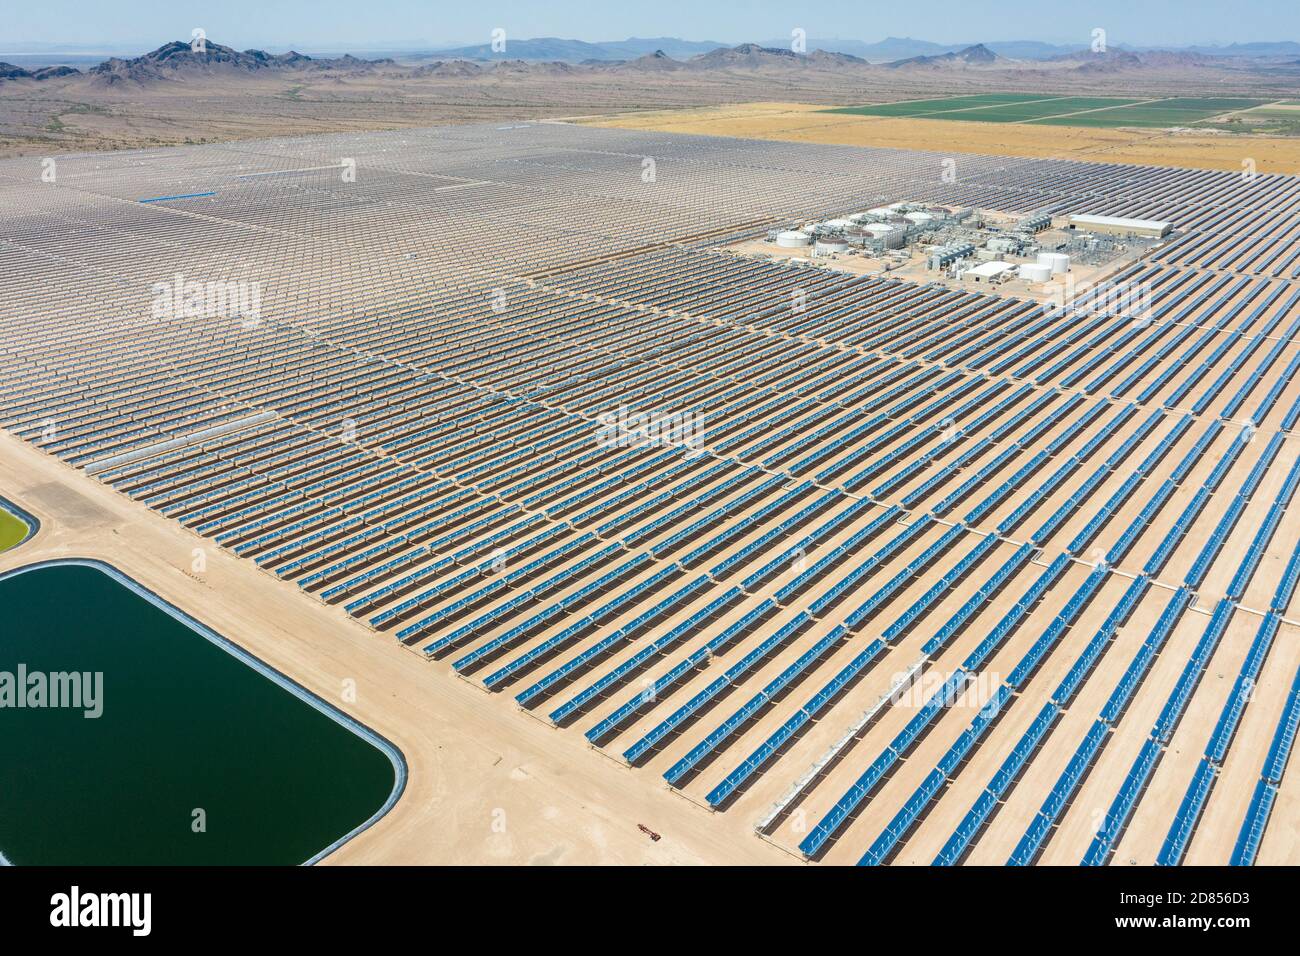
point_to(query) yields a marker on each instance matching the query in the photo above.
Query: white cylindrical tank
(884, 211)
(839, 224)
(827, 246)
(1058, 262)
(1035, 272)
(879, 229)
(793, 239)
(918, 217)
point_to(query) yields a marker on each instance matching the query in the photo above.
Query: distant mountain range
(579, 51)
(558, 49)
(893, 49)
(1268, 49)
(178, 61)
(890, 49)
(883, 51)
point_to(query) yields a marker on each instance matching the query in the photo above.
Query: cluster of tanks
(1049, 264)
(874, 231)
(955, 241)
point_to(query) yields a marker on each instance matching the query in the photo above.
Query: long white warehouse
(1118, 225)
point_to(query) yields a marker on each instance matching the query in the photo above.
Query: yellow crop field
(796, 122)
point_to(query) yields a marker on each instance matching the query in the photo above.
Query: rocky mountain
(972, 56)
(752, 56)
(656, 62)
(1115, 61)
(345, 62)
(448, 68)
(827, 59)
(1031, 49)
(533, 68)
(746, 55)
(10, 72)
(177, 60)
(52, 72)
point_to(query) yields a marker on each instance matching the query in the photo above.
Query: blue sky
(357, 24)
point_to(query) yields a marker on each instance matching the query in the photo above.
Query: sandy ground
(805, 123)
(487, 785)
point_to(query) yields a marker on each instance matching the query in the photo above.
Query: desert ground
(141, 107)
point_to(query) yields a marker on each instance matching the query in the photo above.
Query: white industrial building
(989, 272)
(1121, 226)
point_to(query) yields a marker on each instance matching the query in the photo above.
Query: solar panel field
(889, 572)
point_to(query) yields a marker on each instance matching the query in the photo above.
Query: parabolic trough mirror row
(902, 573)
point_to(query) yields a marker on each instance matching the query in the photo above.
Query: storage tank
(879, 229)
(883, 211)
(1035, 272)
(793, 239)
(918, 217)
(838, 224)
(1058, 262)
(828, 246)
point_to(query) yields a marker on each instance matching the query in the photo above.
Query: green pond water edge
(16, 525)
(186, 623)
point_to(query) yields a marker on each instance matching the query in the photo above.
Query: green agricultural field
(1213, 104)
(926, 107)
(12, 530)
(1093, 111)
(1023, 112)
(1170, 112)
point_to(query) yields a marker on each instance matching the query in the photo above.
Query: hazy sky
(355, 24)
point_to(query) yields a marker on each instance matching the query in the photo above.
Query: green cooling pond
(13, 530)
(186, 726)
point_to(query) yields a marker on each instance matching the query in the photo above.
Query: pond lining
(372, 737)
